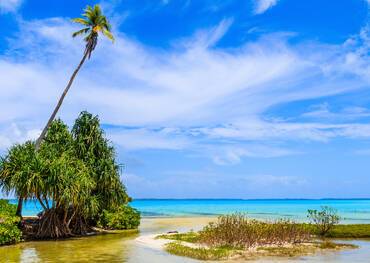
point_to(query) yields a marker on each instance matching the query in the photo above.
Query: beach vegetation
(191, 237)
(122, 217)
(239, 231)
(9, 231)
(199, 253)
(236, 235)
(346, 231)
(94, 23)
(302, 249)
(74, 176)
(324, 219)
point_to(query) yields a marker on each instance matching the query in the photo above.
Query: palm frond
(81, 21)
(108, 34)
(80, 32)
(95, 23)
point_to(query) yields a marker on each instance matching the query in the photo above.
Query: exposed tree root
(52, 226)
(79, 226)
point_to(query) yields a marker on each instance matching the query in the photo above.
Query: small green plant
(124, 217)
(178, 249)
(324, 220)
(9, 231)
(191, 237)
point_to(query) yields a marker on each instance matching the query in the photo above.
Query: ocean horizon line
(250, 199)
(233, 199)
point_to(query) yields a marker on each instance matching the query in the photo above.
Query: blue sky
(204, 98)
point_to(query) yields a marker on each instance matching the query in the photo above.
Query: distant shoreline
(237, 199)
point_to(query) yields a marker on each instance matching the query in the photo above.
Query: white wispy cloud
(282, 131)
(209, 37)
(262, 6)
(189, 96)
(9, 5)
(323, 111)
(231, 154)
(139, 139)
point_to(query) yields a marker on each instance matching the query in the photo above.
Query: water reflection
(103, 248)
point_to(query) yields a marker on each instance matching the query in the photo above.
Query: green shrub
(191, 237)
(239, 231)
(9, 231)
(124, 217)
(324, 220)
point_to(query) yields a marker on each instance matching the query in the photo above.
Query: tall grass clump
(239, 231)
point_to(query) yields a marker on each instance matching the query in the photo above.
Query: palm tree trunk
(19, 207)
(52, 117)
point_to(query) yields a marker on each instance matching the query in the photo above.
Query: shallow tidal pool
(124, 248)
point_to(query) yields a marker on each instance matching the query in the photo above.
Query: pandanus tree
(20, 171)
(67, 182)
(94, 23)
(94, 150)
(74, 176)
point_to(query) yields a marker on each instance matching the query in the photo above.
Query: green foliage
(74, 176)
(178, 249)
(6, 208)
(94, 22)
(191, 237)
(302, 249)
(95, 151)
(234, 236)
(124, 217)
(324, 219)
(9, 231)
(239, 231)
(17, 171)
(346, 231)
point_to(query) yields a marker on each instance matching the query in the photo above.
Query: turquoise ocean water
(351, 210)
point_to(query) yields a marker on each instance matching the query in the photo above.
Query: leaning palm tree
(94, 22)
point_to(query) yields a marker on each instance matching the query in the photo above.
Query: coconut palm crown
(95, 22)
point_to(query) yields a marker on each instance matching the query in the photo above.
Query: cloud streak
(262, 6)
(188, 97)
(8, 6)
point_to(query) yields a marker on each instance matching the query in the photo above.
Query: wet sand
(126, 248)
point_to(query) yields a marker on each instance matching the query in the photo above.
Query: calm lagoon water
(124, 248)
(351, 210)
(160, 216)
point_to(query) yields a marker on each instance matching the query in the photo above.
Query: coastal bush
(238, 231)
(324, 220)
(74, 176)
(124, 217)
(9, 231)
